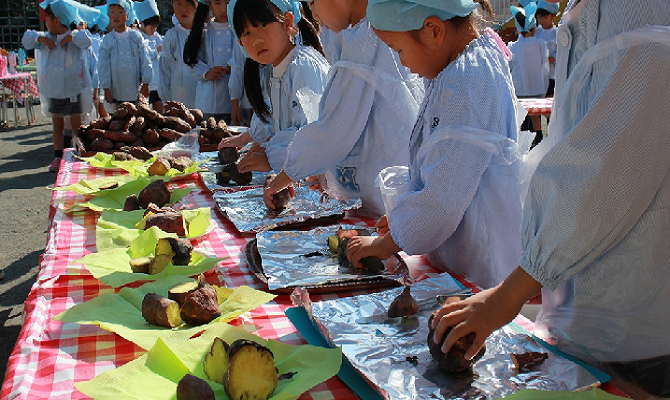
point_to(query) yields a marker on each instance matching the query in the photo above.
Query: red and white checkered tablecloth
(17, 83)
(537, 106)
(50, 356)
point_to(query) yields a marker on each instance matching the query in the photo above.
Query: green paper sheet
(155, 375)
(197, 221)
(122, 313)
(112, 265)
(106, 160)
(92, 187)
(534, 394)
(113, 199)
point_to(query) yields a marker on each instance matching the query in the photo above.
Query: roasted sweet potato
(197, 114)
(526, 362)
(131, 203)
(454, 361)
(156, 192)
(342, 236)
(148, 113)
(403, 305)
(167, 222)
(281, 199)
(160, 311)
(180, 292)
(216, 361)
(190, 387)
(159, 167)
(101, 123)
(211, 123)
(139, 125)
(141, 153)
(177, 124)
(201, 306)
(170, 134)
(141, 264)
(180, 163)
(120, 113)
(252, 373)
(123, 156)
(151, 137)
(231, 173)
(119, 136)
(94, 133)
(132, 110)
(228, 155)
(179, 250)
(102, 144)
(129, 122)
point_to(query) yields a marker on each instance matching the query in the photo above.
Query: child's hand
(382, 226)
(65, 40)
(276, 185)
(235, 141)
(484, 312)
(256, 161)
(47, 42)
(159, 48)
(215, 74)
(360, 247)
(108, 96)
(315, 183)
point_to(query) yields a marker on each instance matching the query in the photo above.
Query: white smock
(463, 207)
(123, 63)
(62, 73)
(153, 42)
(366, 116)
(213, 97)
(596, 221)
(549, 37)
(176, 82)
(332, 44)
(529, 66)
(294, 88)
(236, 80)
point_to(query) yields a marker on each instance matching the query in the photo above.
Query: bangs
(256, 12)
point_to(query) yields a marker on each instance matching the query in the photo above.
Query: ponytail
(254, 91)
(309, 31)
(192, 46)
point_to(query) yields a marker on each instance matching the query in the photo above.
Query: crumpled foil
(211, 159)
(302, 258)
(248, 212)
(392, 353)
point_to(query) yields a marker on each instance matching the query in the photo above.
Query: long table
(50, 356)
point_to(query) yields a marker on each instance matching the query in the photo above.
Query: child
(463, 207)
(241, 110)
(149, 17)
(211, 65)
(530, 63)
(65, 84)
(365, 118)
(176, 81)
(124, 61)
(545, 14)
(266, 29)
(595, 220)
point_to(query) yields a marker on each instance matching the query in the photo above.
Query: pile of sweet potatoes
(137, 124)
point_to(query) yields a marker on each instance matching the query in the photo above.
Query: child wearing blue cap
(462, 208)
(595, 220)
(209, 58)
(545, 14)
(365, 118)
(177, 83)
(297, 75)
(147, 13)
(529, 64)
(124, 62)
(65, 84)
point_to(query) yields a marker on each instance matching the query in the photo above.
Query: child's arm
(146, 71)
(105, 66)
(81, 39)
(485, 312)
(34, 40)
(165, 61)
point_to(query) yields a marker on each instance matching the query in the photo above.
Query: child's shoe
(55, 165)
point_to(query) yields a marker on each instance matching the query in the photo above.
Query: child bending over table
(596, 221)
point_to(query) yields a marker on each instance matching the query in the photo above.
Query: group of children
(423, 84)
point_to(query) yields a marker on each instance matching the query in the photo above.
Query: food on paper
(190, 387)
(159, 167)
(252, 374)
(156, 192)
(160, 311)
(201, 306)
(216, 361)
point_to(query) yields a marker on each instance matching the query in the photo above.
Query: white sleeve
(450, 172)
(105, 64)
(81, 39)
(30, 39)
(592, 188)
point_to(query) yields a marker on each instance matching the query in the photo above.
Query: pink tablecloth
(50, 356)
(17, 83)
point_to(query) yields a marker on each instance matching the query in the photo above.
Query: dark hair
(192, 45)
(256, 12)
(155, 20)
(520, 19)
(307, 13)
(94, 29)
(541, 12)
(476, 18)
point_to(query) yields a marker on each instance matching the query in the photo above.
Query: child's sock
(58, 153)
(67, 141)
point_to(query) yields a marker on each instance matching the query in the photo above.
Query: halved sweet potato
(216, 361)
(160, 311)
(252, 374)
(159, 167)
(167, 222)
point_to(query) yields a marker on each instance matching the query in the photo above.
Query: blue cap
(103, 20)
(145, 9)
(292, 6)
(529, 12)
(409, 15)
(524, 3)
(545, 5)
(64, 10)
(87, 14)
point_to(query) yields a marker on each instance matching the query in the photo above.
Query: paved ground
(25, 154)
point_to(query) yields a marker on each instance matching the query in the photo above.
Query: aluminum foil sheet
(302, 258)
(382, 349)
(211, 159)
(247, 211)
